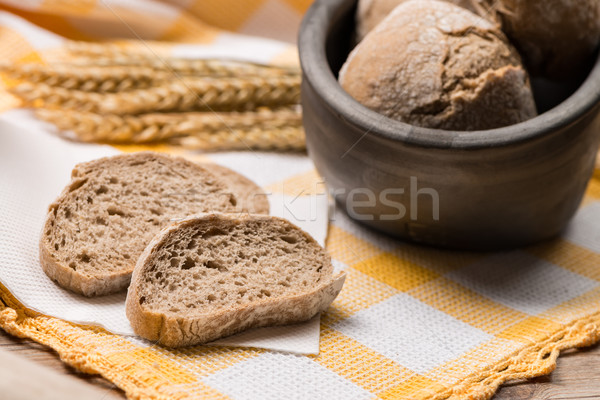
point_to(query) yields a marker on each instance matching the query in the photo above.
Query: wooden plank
(39, 367)
(23, 379)
(577, 376)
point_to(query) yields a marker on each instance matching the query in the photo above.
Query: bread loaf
(437, 65)
(555, 37)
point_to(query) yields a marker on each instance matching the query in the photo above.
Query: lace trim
(534, 360)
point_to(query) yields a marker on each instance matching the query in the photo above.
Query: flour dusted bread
(214, 275)
(437, 65)
(370, 13)
(555, 37)
(99, 225)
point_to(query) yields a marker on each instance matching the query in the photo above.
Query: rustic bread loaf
(101, 222)
(370, 13)
(555, 37)
(437, 65)
(214, 275)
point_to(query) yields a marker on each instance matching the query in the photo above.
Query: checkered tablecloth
(410, 323)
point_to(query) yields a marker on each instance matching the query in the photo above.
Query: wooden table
(577, 376)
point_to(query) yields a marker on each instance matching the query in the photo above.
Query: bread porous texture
(214, 275)
(436, 65)
(111, 209)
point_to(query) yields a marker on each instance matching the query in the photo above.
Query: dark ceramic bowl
(490, 189)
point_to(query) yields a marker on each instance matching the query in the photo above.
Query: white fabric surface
(35, 165)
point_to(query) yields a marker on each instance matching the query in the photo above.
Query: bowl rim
(314, 31)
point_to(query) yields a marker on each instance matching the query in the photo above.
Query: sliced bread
(214, 275)
(252, 199)
(102, 221)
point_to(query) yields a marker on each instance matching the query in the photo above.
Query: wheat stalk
(85, 54)
(106, 93)
(187, 67)
(113, 77)
(158, 126)
(88, 79)
(284, 139)
(282, 128)
(181, 95)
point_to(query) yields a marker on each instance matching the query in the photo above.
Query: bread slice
(214, 275)
(250, 196)
(99, 225)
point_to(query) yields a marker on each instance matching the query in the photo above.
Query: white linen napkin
(35, 165)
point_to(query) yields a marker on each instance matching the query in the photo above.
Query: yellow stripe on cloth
(438, 260)
(151, 367)
(416, 388)
(466, 305)
(530, 330)
(358, 363)
(225, 14)
(574, 309)
(300, 5)
(360, 292)
(187, 29)
(482, 357)
(347, 248)
(569, 256)
(593, 189)
(395, 272)
(51, 22)
(68, 7)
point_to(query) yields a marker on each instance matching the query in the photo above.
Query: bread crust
(175, 331)
(78, 283)
(90, 286)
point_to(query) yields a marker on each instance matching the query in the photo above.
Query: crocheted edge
(534, 360)
(22, 322)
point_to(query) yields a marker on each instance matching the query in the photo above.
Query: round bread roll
(436, 65)
(555, 37)
(371, 12)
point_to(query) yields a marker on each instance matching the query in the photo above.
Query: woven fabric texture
(410, 323)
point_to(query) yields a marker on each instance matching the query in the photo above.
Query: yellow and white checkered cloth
(410, 323)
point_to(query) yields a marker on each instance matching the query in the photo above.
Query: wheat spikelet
(192, 133)
(88, 79)
(91, 127)
(181, 95)
(116, 78)
(188, 67)
(283, 139)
